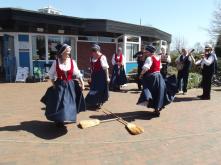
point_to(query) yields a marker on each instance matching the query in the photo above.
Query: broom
(132, 128)
(94, 122)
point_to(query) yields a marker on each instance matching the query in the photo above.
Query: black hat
(96, 47)
(61, 48)
(150, 48)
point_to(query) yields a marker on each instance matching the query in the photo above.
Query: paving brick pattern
(187, 132)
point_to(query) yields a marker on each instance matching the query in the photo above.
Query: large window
(96, 39)
(53, 41)
(131, 50)
(38, 48)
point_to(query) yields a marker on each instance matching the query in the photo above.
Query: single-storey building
(28, 39)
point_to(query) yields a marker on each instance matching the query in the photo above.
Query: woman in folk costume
(64, 99)
(154, 93)
(118, 76)
(98, 93)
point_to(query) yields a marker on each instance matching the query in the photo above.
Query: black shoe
(200, 96)
(157, 112)
(99, 106)
(59, 124)
(205, 98)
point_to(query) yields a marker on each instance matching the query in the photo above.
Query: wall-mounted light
(40, 29)
(61, 31)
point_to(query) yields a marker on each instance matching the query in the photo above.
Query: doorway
(8, 58)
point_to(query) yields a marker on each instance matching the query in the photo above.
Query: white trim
(97, 39)
(120, 37)
(30, 54)
(16, 43)
(46, 48)
(125, 50)
(133, 43)
(139, 43)
(131, 62)
(97, 42)
(76, 49)
(62, 39)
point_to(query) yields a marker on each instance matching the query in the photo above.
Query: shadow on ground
(128, 116)
(217, 90)
(185, 99)
(41, 129)
(133, 91)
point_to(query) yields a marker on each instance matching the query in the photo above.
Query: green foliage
(194, 80)
(172, 70)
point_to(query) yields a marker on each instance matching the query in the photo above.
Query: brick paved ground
(187, 132)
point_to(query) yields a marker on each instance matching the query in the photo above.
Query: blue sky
(184, 18)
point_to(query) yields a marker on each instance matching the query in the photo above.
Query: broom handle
(113, 119)
(119, 118)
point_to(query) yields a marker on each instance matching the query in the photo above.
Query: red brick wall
(84, 53)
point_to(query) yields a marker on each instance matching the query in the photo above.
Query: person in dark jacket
(140, 62)
(183, 63)
(207, 64)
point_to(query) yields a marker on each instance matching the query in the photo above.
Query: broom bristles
(89, 123)
(134, 129)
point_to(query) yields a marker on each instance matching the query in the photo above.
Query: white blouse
(206, 61)
(103, 61)
(148, 63)
(114, 62)
(64, 67)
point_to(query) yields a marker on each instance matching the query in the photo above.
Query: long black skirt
(118, 77)
(64, 101)
(99, 92)
(157, 91)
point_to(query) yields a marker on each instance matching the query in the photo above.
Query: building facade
(28, 39)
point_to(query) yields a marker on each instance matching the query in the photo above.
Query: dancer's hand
(82, 87)
(108, 79)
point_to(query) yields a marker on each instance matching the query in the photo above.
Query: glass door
(53, 41)
(9, 60)
(1, 59)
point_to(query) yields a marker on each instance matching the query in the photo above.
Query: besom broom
(132, 128)
(94, 122)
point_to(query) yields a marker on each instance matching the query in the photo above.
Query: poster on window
(53, 46)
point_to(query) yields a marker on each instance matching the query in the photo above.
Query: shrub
(194, 80)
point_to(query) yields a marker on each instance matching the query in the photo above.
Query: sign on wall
(22, 74)
(24, 45)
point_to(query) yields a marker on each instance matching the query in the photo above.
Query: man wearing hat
(183, 62)
(207, 64)
(154, 94)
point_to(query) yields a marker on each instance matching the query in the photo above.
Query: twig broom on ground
(94, 122)
(131, 127)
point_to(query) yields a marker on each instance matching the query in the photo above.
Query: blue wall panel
(24, 59)
(23, 38)
(130, 66)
